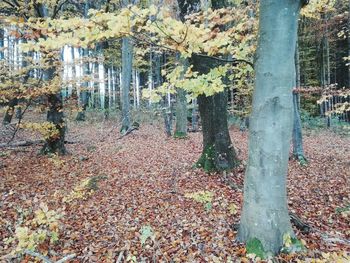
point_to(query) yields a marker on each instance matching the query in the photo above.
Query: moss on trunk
(180, 135)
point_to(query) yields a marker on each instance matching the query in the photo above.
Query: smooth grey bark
(298, 149)
(194, 116)
(265, 212)
(181, 114)
(84, 92)
(2, 35)
(297, 138)
(127, 49)
(96, 99)
(181, 106)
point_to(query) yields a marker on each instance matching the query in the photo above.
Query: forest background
(104, 82)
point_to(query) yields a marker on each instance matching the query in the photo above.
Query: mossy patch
(180, 135)
(207, 160)
(254, 246)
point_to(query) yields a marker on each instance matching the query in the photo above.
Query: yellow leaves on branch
(47, 129)
(316, 8)
(225, 27)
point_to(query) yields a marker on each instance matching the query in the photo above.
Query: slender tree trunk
(2, 35)
(106, 92)
(265, 213)
(298, 150)
(181, 114)
(181, 107)
(194, 116)
(13, 101)
(84, 93)
(126, 81)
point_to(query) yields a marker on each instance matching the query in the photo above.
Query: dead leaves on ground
(148, 179)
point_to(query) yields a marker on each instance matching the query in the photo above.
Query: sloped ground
(143, 180)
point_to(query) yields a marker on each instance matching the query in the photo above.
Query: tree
(218, 152)
(181, 108)
(265, 213)
(126, 81)
(298, 149)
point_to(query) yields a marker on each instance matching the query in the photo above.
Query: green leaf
(254, 246)
(147, 232)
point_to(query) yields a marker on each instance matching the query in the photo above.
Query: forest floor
(138, 192)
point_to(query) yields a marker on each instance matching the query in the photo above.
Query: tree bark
(10, 111)
(181, 106)
(84, 93)
(298, 150)
(55, 116)
(2, 35)
(126, 81)
(218, 152)
(265, 212)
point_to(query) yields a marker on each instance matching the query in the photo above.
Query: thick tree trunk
(265, 212)
(126, 81)
(218, 152)
(55, 116)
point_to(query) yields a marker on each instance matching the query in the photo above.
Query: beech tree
(265, 213)
(218, 152)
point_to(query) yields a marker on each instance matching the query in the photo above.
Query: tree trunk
(181, 105)
(194, 116)
(265, 212)
(218, 152)
(84, 93)
(2, 35)
(13, 101)
(10, 111)
(298, 150)
(55, 116)
(126, 81)
(181, 114)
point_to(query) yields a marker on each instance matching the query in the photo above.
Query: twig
(47, 260)
(29, 143)
(127, 132)
(120, 257)
(71, 256)
(37, 255)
